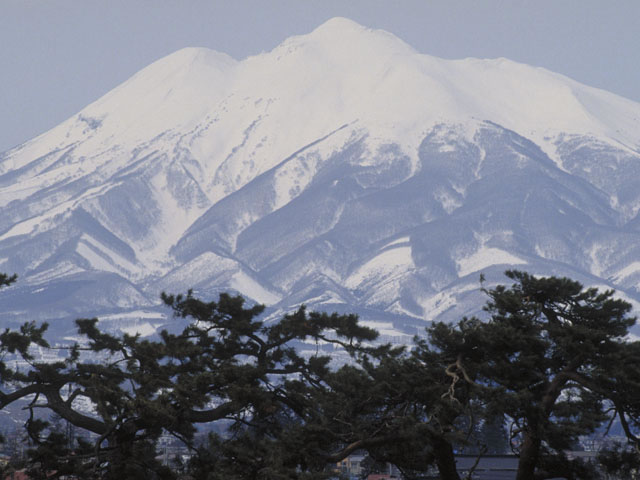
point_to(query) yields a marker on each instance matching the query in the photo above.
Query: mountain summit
(343, 169)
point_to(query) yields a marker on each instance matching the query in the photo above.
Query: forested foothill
(549, 364)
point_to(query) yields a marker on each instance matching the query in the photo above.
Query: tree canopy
(549, 363)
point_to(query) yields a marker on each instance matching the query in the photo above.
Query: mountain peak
(339, 24)
(186, 62)
(342, 168)
(189, 55)
(341, 34)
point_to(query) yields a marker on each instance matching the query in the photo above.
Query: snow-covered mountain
(343, 170)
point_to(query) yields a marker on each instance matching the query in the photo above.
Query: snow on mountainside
(343, 169)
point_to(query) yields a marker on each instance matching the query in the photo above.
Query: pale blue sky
(56, 56)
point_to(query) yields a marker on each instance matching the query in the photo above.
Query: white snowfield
(343, 168)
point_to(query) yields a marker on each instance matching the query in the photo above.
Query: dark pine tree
(226, 365)
(554, 364)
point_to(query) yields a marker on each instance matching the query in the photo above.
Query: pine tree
(226, 365)
(553, 359)
(556, 362)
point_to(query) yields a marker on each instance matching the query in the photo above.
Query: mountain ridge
(342, 169)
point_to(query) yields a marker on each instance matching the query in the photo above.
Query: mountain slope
(343, 169)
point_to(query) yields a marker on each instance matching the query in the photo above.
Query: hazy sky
(56, 56)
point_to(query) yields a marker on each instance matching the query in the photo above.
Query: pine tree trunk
(529, 454)
(445, 460)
